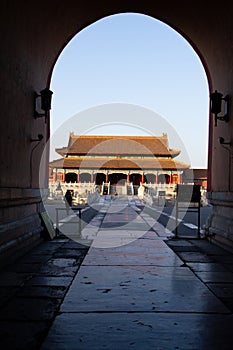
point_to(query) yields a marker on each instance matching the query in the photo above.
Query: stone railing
(83, 189)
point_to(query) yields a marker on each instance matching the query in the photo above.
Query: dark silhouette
(68, 200)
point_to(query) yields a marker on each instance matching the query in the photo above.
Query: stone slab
(139, 288)
(134, 257)
(42, 292)
(13, 279)
(22, 335)
(224, 259)
(60, 267)
(68, 253)
(137, 331)
(29, 309)
(73, 245)
(179, 243)
(195, 257)
(47, 248)
(215, 276)
(26, 268)
(128, 252)
(116, 238)
(125, 225)
(49, 281)
(211, 249)
(142, 244)
(39, 258)
(207, 267)
(222, 290)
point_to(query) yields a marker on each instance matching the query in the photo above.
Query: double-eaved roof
(122, 145)
(118, 152)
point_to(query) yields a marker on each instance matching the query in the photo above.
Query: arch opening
(95, 90)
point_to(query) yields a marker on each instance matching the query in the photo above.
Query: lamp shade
(46, 97)
(216, 102)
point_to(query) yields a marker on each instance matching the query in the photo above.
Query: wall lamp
(217, 103)
(222, 141)
(42, 103)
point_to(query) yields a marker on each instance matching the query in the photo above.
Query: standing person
(68, 200)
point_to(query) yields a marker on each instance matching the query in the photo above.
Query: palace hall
(117, 160)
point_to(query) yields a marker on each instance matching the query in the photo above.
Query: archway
(163, 179)
(117, 179)
(43, 56)
(136, 178)
(150, 178)
(118, 71)
(70, 177)
(172, 75)
(85, 177)
(99, 178)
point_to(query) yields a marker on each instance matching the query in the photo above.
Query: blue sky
(131, 74)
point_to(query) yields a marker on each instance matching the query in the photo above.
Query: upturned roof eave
(120, 164)
(83, 154)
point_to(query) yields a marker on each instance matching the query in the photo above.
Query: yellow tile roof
(122, 145)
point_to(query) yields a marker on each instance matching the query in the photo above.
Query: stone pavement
(32, 289)
(134, 288)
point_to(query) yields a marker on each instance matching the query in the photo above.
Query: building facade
(117, 160)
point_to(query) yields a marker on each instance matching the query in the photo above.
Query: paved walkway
(132, 289)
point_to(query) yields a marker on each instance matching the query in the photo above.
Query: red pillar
(170, 179)
(92, 178)
(106, 178)
(179, 178)
(143, 178)
(127, 178)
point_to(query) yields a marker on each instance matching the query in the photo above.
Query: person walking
(68, 200)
